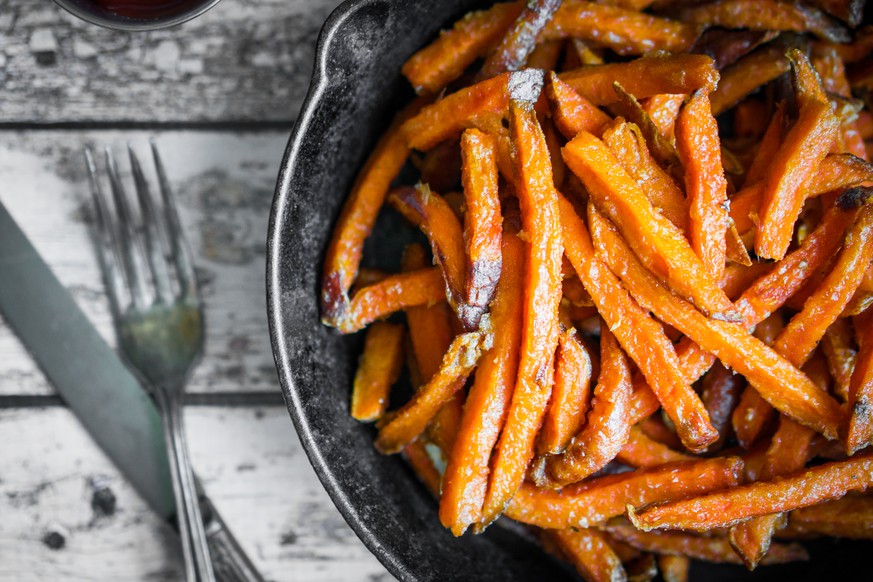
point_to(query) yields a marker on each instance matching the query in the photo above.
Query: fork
(153, 295)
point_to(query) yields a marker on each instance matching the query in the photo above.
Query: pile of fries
(644, 326)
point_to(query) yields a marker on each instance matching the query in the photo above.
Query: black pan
(355, 87)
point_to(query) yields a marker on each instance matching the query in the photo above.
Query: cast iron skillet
(355, 87)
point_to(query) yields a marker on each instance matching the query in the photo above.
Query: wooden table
(220, 95)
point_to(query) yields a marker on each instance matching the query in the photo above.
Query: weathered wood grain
(245, 60)
(224, 182)
(252, 467)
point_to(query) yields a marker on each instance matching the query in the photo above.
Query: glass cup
(137, 14)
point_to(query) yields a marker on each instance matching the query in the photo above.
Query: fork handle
(230, 561)
(198, 563)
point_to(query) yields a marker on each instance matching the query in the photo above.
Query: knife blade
(105, 396)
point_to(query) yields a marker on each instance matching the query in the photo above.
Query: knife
(105, 396)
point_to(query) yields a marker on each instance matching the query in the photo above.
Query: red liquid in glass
(146, 8)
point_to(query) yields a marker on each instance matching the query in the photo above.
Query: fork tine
(180, 250)
(153, 228)
(131, 247)
(107, 240)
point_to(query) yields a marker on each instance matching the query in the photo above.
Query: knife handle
(228, 559)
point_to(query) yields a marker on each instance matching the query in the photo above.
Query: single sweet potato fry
(606, 430)
(445, 59)
(767, 148)
(449, 116)
(546, 55)
(404, 426)
(570, 395)
(706, 548)
(639, 335)
(627, 32)
(751, 417)
(430, 333)
(746, 75)
(731, 506)
(661, 246)
(839, 350)
(421, 462)
(515, 46)
(466, 477)
(824, 306)
(807, 143)
(482, 221)
(643, 452)
(721, 394)
(572, 112)
(591, 554)
(358, 216)
(597, 500)
(859, 425)
(781, 384)
(378, 369)
(644, 77)
(699, 149)
(538, 200)
(674, 568)
(444, 231)
(849, 517)
(629, 146)
(766, 15)
(394, 293)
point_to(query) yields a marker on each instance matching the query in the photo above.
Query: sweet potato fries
(650, 301)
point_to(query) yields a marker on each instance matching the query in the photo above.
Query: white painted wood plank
(244, 60)
(253, 469)
(224, 182)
